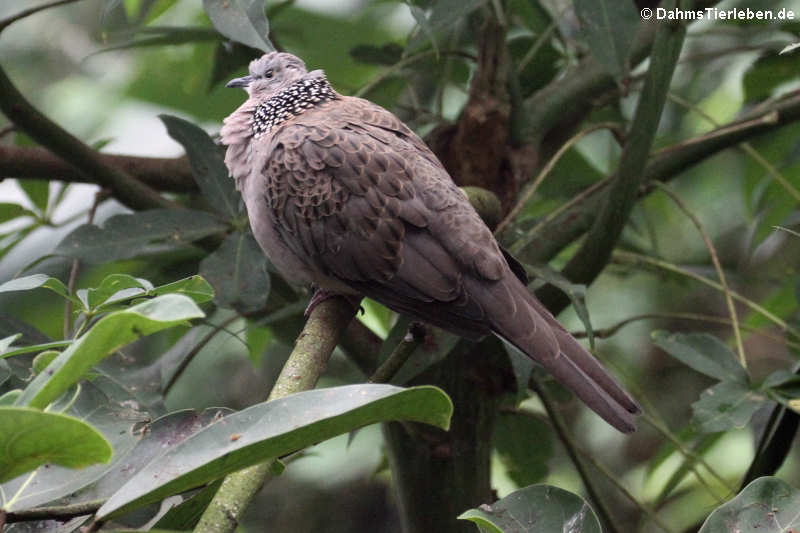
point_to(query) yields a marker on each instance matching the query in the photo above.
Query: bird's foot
(320, 295)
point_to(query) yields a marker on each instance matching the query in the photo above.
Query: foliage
(136, 345)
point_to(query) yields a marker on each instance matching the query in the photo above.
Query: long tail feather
(519, 318)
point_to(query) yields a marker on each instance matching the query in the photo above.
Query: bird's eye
(268, 74)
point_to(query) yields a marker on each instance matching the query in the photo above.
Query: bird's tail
(534, 331)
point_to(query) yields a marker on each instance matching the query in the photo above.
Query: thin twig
(75, 268)
(566, 439)
(401, 353)
(768, 118)
(531, 189)
(404, 63)
(27, 12)
(717, 266)
(55, 512)
(610, 331)
(588, 456)
(531, 53)
(198, 347)
(634, 258)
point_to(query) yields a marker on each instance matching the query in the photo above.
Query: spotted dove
(342, 195)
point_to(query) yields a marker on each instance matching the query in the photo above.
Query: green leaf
(766, 74)
(115, 288)
(238, 272)
(152, 438)
(34, 282)
(109, 334)
(30, 438)
(767, 505)
(131, 235)
(186, 514)
(523, 366)
(160, 36)
(609, 27)
(512, 438)
(725, 406)
(243, 21)
(273, 429)
(5, 371)
(6, 342)
(444, 15)
(536, 509)
(387, 54)
(228, 58)
(195, 287)
(699, 449)
(575, 292)
(33, 348)
(208, 167)
(9, 211)
(107, 407)
(704, 353)
(10, 397)
(38, 191)
(43, 359)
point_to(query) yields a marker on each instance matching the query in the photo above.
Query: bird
(343, 196)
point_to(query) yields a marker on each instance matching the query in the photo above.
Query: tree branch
(551, 236)
(595, 253)
(127, 190)
(28, 12)
(54, 512)
(571, 97)
(168, 174)
(305, 365)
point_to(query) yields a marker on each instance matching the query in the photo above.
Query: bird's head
(270, 74)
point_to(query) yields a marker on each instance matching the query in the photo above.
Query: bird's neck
(292, 101)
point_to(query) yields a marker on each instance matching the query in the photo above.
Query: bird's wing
(359, 197)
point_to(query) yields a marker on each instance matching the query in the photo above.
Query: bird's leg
(320, 295)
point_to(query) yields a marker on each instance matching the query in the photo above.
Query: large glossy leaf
(30, 438)
(151, 441)
(273, 429)
(725, 406)
(131, 235)
(208, 167)
(238, 273)
(609, 27)
(767, 505)
(702, 352)
(536, 509)
(243, 21)
(109, 334)
(108, 408)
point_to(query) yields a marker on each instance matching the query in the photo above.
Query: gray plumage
(340, 193)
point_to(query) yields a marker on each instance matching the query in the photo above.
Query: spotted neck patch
(290, 102)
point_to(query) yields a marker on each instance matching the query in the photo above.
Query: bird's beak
(244, 81)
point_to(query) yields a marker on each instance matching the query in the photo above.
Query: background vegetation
(646, 172)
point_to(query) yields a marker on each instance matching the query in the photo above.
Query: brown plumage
(340, 193)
